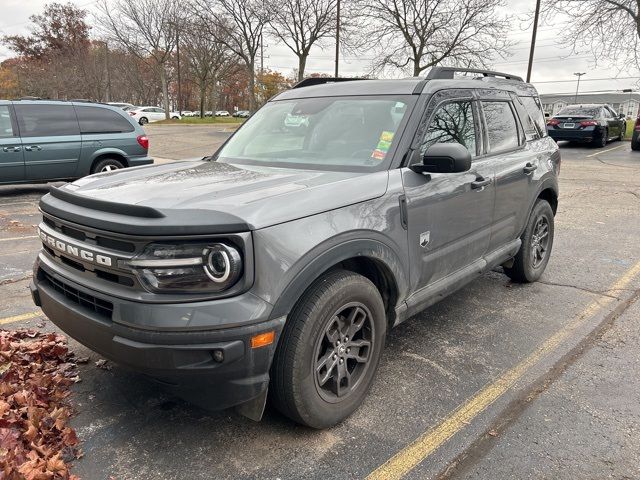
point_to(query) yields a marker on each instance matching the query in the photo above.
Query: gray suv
(43, 140)
(280, 263)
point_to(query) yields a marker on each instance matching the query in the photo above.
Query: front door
(50, 138)
(449, 214)
(11, 159)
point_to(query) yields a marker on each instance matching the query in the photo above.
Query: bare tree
(146, 28)
(610, 29)
(208, 59)
(237, 24)
(302, 23)
(418, 34)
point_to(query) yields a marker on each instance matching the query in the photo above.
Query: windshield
(336, 133)
(581, 111)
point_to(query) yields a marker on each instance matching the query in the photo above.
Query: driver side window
(452, 122)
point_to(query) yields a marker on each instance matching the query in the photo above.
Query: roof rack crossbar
(449, 73)
(308, 82)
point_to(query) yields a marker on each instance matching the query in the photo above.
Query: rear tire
(107, 165)
(601, 141)
(532, 258)
(635, 146)
(319, 375)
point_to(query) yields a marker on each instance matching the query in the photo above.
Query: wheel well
(380, 275)
(550, 196)
(115, 156)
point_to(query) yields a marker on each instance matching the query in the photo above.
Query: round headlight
(222, 263)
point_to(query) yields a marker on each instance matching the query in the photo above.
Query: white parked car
(222, 113)
(144, 115)
(122, 105)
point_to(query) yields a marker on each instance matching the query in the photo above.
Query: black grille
(96, 305)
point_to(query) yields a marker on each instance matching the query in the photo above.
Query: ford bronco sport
(280, 263)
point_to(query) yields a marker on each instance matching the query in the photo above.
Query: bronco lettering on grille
(74, 251)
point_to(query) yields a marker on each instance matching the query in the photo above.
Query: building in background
(627, 103)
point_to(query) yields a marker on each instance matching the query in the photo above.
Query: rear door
(514, 166)
(449, 214)
(613, 121)
(11, 157)
(102, 128)
(50, 138)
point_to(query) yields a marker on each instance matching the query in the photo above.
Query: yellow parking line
(605, 151)
(17, 238)
(20, 318)
(412, 455)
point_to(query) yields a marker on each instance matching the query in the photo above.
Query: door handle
(480, 183)
(11, 149)
(528, 168)
(33, 147)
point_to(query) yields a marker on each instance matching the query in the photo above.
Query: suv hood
(207, 197)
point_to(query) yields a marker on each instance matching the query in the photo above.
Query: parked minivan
(44, 140)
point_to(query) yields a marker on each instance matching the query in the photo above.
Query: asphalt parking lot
(497, 381)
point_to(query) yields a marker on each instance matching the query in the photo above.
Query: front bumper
(182, 360)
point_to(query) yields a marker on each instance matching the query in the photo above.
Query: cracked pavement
(583, 424)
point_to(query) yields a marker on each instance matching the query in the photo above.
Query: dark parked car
(49, 140)
(596, 124)
(281, 262)
(635, 138)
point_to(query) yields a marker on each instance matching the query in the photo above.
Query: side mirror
(444, 158)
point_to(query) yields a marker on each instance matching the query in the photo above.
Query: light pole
(337, 37)
(578, 74)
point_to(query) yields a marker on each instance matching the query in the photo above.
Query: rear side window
(452, 123)
(502, 129)
(534, 109)
(102, 120)
(6, 128)
(46, 120)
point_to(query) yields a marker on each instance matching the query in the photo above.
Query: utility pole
(578, 74)
(533, 40)
(337, 37)
(106, 66)
(261, 55)
(179, 79)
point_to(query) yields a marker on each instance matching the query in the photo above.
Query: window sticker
(383, 145)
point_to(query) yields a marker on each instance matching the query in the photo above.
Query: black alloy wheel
(343, 352)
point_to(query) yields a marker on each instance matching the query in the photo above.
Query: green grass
(630, 125)
(201, 121)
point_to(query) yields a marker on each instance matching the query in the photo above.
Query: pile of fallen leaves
(36, 441)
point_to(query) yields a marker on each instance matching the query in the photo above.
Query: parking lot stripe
(17, 238)
(411, 456)
(20, 318)
(604, 151)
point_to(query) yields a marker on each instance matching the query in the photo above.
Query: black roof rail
(311, 81)
(449, 73)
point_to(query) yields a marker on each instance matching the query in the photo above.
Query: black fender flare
(548, 183)
(334, 251)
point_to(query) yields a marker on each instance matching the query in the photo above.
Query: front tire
(143, 121)
(329, 350)
(537, 240)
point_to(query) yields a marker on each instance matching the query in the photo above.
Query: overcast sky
(552, 71)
